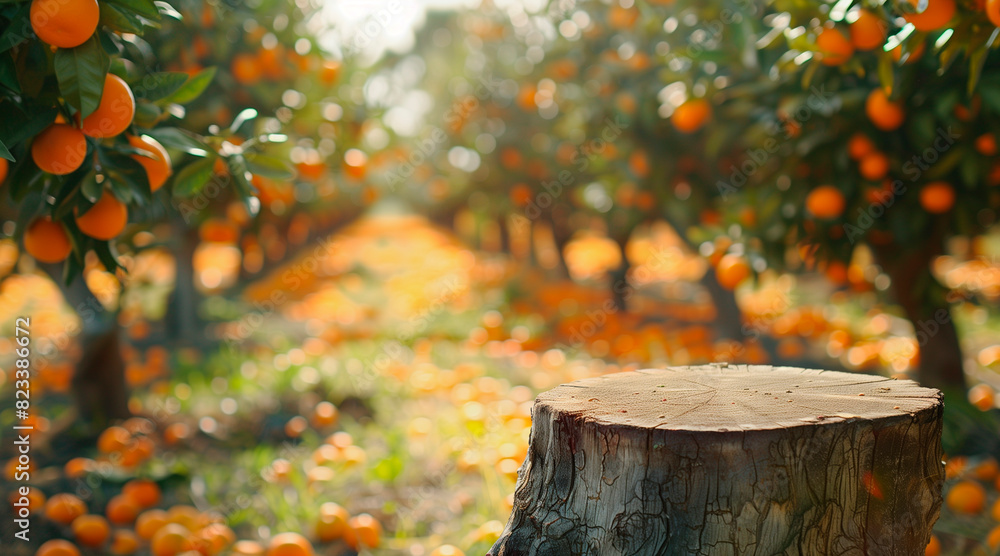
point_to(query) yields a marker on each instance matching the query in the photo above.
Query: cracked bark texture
(737, 460)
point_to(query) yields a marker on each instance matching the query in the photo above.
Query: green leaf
(90, 188)
(269, 167)
(17, 123)
(144, 8)
(120, 20)
(179, 139)
(18, 29)
(194, 87)
(886, 71)
(238, 169)
(72, 267)
(4, 153)
(23, 178)
(81, 72)
(108, 255)
(193, 177)
(8, 73)
(168, 10)
(156, 86)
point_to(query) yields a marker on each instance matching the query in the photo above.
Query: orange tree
(89, 143)
(885, 115)
(578, 129)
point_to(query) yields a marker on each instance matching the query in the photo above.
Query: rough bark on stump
(738, 460)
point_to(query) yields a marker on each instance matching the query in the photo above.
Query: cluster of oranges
(62, 148)
(966, 497)
(867, 31)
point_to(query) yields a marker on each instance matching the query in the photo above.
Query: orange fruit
(933, 547)
(874, 166)
(60, 149)
(834, 48)
(966, 497)
(113, 439)
(329, 72)
(330, 527)
(447, 550)
(47, 241)
(826, 202)
(988, 469)
(982, 396)
(91, 530)
(64, 508)
(78, 467)
(936, 16)
(289, 544)
(867, 31)
(325, 414)
(995, 511)
(622, 18)
(638, 163)
(58, 547)
(245, 69)
(731, 271)
(355, 163)
(691, 115)
(124, 542)
(526, 97)
(64, 23)
(993, 11)
(986, 144)
(157, 168)
(36, 498)
(171, 540)
(937, 197)
(143, 492)
(248, 548)
(885, 114)
(185, 516)
(993, 538)
(4, 168)
(105, 220)
(859, 145)
(149, 522)
(214, 538)
(115, 112)
(367, 529)
(121, 510)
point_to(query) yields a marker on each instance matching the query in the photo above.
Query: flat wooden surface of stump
(737, 397)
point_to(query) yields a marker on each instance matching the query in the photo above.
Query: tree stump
(729, 460)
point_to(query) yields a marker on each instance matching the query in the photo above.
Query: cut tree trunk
(736, 460)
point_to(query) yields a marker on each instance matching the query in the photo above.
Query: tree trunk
(99, 390)
(718, 460)
(619, 278)
(924, 302)
(728, 316)
(184, 326)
